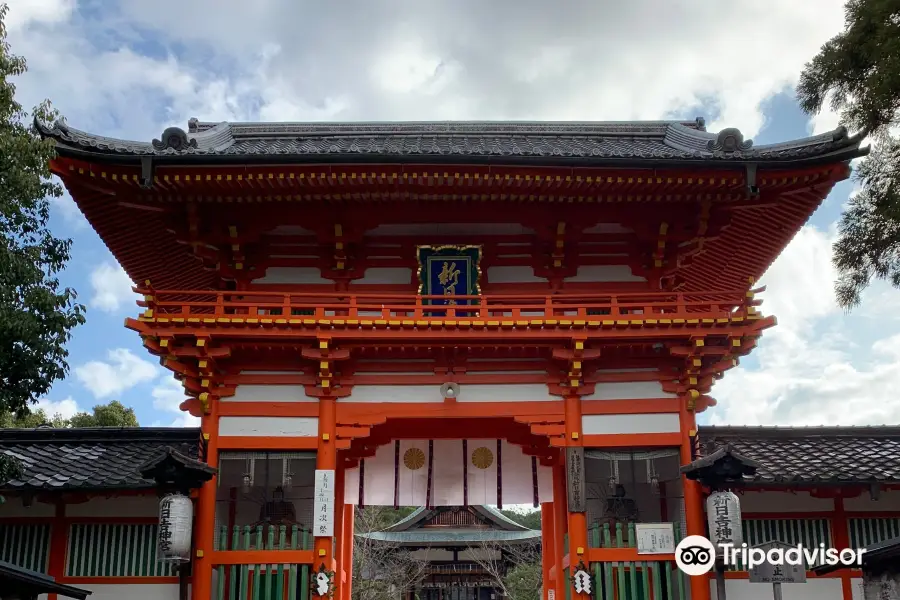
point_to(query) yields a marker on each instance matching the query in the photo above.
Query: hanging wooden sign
(575, 478)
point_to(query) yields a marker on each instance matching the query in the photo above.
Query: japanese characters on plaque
(655, 538)
(723, 511)
(575, 478)
(323, 504)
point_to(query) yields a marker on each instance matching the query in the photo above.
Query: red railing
(633, 305)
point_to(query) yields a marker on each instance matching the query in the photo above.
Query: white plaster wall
(386, 276)
(643, 423)
(132, 591)
(887, 500)
(470, 554)
(856, 588)
(269, 393)
(13, 507)
(459, 229)
(525, 392)
(269, 426)
(608, 228)
(799, 502)
(813, 589)
(513, 275)
(121, 506)
(292, 275)
(603, 273)
(432, 554)
(628, 390)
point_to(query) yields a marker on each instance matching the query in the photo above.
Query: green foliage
(858, 74)
(36, 315)
(114, 414)
(524, 581)
(528, 518)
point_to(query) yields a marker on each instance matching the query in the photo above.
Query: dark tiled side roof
(812, 455)
(105, 458)
(454, 141)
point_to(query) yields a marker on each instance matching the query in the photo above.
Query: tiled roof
(103, 458)
(812, 455)
(440, 536)
(448, 142)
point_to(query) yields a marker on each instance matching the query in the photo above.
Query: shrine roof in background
(490, 515)
(562, 143)
(818, 456)
(91, 459)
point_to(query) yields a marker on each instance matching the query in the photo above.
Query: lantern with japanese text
(723, 510)
(174, 538)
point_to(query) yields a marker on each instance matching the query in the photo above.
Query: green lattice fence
(25, 545)
(114, 550)
(262, 581)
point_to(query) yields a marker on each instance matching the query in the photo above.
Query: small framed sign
(655, 538)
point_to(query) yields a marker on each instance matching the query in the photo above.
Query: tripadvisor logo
(696, 555)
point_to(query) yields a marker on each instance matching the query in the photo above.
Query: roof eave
(123, 159)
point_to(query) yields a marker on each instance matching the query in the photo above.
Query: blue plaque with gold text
(449, 272)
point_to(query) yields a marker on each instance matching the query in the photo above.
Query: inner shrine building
(447, 314)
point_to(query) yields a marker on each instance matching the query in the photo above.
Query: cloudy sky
(130, 68)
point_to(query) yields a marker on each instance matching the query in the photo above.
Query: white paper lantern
(723, 513)
(176, 513)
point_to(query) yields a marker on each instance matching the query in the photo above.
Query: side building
(82, 514)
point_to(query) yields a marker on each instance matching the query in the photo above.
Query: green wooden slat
(257, 573)
(233, 570)
(245, 569)
(26, 546)
(645, 578)
(304, 582)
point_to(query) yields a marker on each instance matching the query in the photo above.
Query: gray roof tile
(91, 458)
(813, 455)
(638, 140)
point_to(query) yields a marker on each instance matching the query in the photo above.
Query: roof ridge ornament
(729, 140)
(174, 138)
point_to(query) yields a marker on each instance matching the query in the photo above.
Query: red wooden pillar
(693, 497)
(560, 526)
(347, 548)
(326, 459)
(59, 541)
(578, 545)
(205, 520)
(338, 530)
(840, 533)
(548, 545)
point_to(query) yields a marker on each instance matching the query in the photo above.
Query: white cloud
(122, 371)
(26, 12)
(818, 366)
(448, 59)
(112, 288)
(67, 407)
(168, 395)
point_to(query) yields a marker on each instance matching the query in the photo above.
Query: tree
(857, 73)
(515, 569)
(381, 570)
(36, 315)
(114, 414)
(527, 518)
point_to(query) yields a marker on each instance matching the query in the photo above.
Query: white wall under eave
(269, 426)
(887, 501)
(603, 274)
(116, 506)
(775, 502)
(813, 589)
(432, 554)
(293, 275)
(521, 392)
(628, 390)
(386, 276)
(132, 591)
(518, 274)
(640, 423)
(13, 507)
(269, 393)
